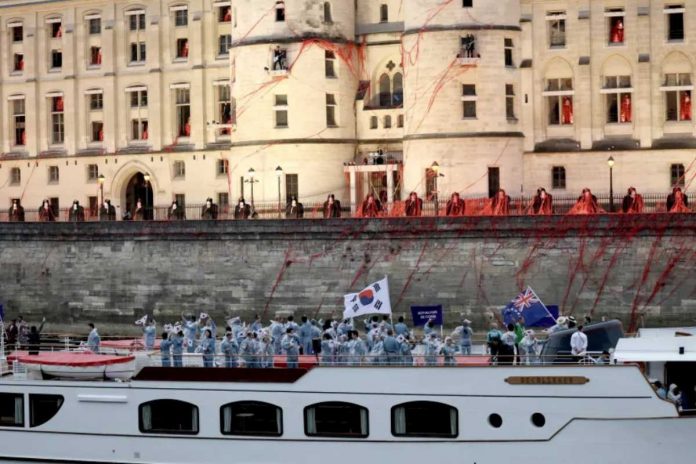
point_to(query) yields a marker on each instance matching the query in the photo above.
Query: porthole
(538, 419)
(495, 420)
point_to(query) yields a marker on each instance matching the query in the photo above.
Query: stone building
(345, 97)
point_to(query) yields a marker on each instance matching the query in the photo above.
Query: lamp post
(101, 180)
(436, 169)
(279, 174)
(146, 177)
(610, 163)
(251, 180)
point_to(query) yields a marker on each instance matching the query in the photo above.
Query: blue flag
(527, 305)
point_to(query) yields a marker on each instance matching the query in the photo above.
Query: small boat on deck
(82, 365)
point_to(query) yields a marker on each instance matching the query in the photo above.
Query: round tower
(462, 96)
(293, 87)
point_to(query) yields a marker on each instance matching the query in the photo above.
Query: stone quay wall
(641, 269)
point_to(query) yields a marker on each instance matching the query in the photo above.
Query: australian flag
(527, 305)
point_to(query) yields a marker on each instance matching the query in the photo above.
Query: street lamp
(146, 177)
(610, 163)
(436, 170)
(279, 174)
(252, 181)
(101, 180)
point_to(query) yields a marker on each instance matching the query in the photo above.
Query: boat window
(168, 416)
(425, 419)
(251, 418)
(11, 410)
(336, 419)
(42, 408)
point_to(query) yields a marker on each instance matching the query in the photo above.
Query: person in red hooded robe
(413, 206)
(371, 207)
(542, 204)
(617, 31)
(633, 202)
(586, 204)
(455, 206)
(685, 105)
(499, 205)
(625, 110)
(679, 202)
(567, 111)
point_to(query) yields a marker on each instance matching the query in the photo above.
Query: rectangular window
(677, 90)
(136, 22)
(97, 131)
(56, 59)
(179, 169)
(281, 111)
(53, 174)
(618, 99)
(139, 129)
(615, 25)
(181, 17)
(11, 410)
(558, 177)
(95, 56)
(509, 46)
(18, 62)
(137, 52)
(677, 175)
(92, 172)
(493, 181)
(331, 110)
(675, 22)
(138, 99)
(467, 3)
(292, 186)
(251, 418)
(223, 167)
(168, 416)
(559, 100)
(469, 101)
(329, 64)
(384, 13)
(225, 14)
(224, 107)
(373, 122)
(223, 201)
(17, 34)
(15, 176)
(56, 29)
(400, 121)
(96, 101)
(57, 121)
(94, 26)
(182, 48)
(279, 12)
(183, 112)
(510, 101)
(19, 122)
(180, 198)
(224, 44)
(556, 29)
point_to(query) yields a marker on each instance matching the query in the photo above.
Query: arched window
(385, 95)
(618, 90)
(336, 419)
(327, 12)
(398, 97)
(251, 418)
(425, 419)
(168, 416)
(42, 408)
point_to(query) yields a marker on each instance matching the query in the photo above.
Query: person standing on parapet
(16, 212)
(77, 212)
(242, 210)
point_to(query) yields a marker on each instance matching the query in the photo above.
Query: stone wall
(607, 266)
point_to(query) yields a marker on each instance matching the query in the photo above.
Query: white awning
(674, 10)
(558, 93)
(178, 8)
(554, 17)
(183, 85)
(134, 12)
(14, 24)
(54, 94)
(139, 88)
(227, 3)
(616, 90)
(222, 82)
(16, 97)
(54, 20)
(93, 16)
(94, 91)
(614, 14)
(676, 88)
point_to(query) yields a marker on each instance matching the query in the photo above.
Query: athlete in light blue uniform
(230, 349)
(165, 350)
(178, 349)
(207, 347)
(93, 339)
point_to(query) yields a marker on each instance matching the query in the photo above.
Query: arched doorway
(138, 189)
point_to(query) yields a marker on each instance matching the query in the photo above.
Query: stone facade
(113, 272)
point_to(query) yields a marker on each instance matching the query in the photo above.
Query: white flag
(372, 300)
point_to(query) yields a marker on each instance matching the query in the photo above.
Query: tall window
(559, 100)
(384, 13)
(225, 14)
(677, 90)
(95, 56)
(281, 111)
(292, 186)
(384, 91)
(136, 21)
(138, 52)
(328, 18)
(92, 172)
(558, 177)
(96, 101)
(168, 416)
(674, 16)
(15, 176)
(469, 101)
(329, 63)
(425, 419)
(183, 112)
(373, 122)
(55, 28)
(19, 122)
(336, 419)
(677, 175)
(97, 131)
(17, 33)
(94, 26)
(139, 123)
(180, 16)
(182, 48)
(510, 101)
(53, 174)
(139, 129)
(224, 106)
(18, 62)
(223, 167)
(280, 12)
(493, 181)
(56, 59)
(387, 122)
(615, 25)
(180, 198)
(618, 99)
(11, 410)
(556, 28)
(331, 110)
(509, 46)
(57, 120)
(398, 90)
(224, 44)
(179, 169)
(252, 418)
